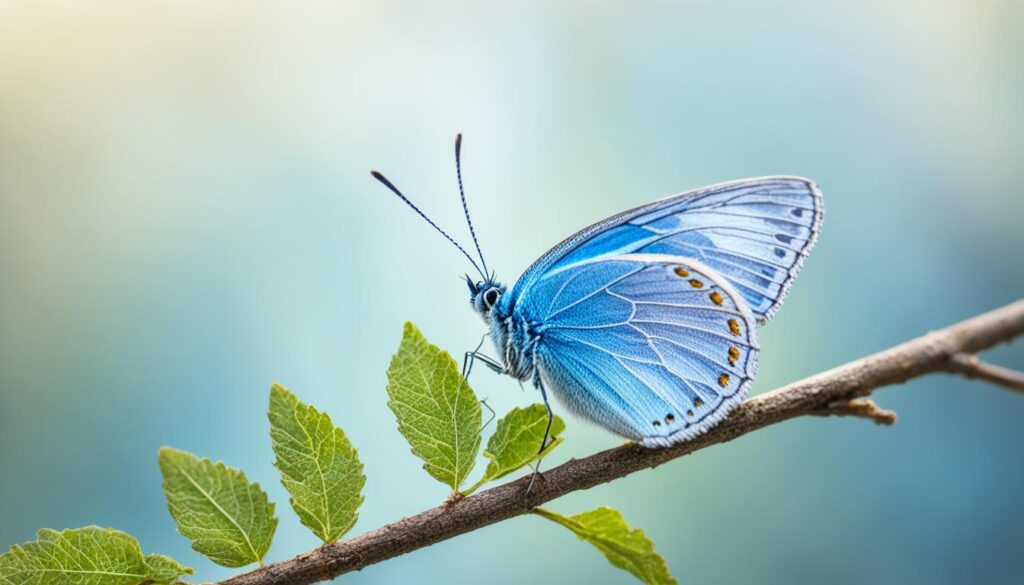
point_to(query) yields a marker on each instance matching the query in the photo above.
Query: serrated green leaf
(516, 441)
(228, 519)
(437, 411)
(628, 549)
(318, 465)
(86, 556)
(166, 569)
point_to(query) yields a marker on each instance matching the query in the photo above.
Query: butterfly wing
(755, 233)
(656, 348)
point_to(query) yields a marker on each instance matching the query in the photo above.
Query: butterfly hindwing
(655, 347)
(754, 233)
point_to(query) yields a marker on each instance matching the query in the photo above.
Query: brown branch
(933, 352)
(862, 407)
(970, 367)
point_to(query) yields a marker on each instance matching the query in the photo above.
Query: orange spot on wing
(696, 283)
(734, 327)
(680, 271)
(723, 380)
(716, 298)
(734, 354)
(698, 402)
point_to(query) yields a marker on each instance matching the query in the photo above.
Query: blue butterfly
(645, 323)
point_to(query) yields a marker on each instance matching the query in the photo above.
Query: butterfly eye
(491, 297)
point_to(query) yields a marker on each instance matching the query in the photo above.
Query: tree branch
(862, 407)
(970, 367)
(835, 391)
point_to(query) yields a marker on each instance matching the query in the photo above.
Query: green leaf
(85, 556)
(228, 519)
(516, 441)
(627, 549)
(437, 411)
(166, 569)
(318, 465)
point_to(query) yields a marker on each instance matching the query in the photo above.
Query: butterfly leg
(551, 419)
(547, 434)
(467, 359)
(493, 414)
(467, 366)
(471, 356)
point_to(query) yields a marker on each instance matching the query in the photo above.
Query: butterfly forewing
(754, 233)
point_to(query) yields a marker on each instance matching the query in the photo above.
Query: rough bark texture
(837, 391)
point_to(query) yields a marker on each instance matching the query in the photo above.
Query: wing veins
(714, 211)
(669, 400)
(746, 342)
(701, 249)
(595, 292)
(698, 307)
(698, 354)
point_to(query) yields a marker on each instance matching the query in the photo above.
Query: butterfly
(646, 322)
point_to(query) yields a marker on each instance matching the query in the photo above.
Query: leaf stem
(475, 486)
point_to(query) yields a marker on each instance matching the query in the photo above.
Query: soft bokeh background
(186, 216)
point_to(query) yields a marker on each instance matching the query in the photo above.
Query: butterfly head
(484, 294)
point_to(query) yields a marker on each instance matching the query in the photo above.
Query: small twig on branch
(972, 368)
(862, 407)
(833, 391)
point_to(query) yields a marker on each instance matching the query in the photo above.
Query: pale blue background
(186, 216)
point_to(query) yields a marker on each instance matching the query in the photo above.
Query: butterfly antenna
(377, 175)
(462, 194)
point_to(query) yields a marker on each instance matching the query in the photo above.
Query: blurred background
(186, 216)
